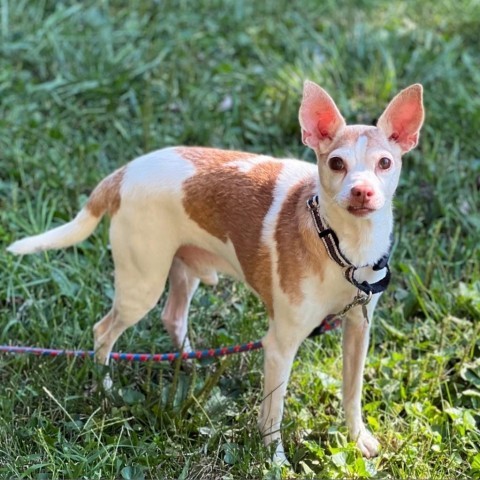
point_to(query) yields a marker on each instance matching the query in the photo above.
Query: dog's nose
(362, 192)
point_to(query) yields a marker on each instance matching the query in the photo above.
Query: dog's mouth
(360, 211)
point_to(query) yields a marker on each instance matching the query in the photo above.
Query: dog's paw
(107, 383)
(368, 444)
(279, 458)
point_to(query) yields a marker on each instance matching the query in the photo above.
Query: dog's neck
(362, 240)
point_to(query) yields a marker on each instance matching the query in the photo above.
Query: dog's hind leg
(142, 264)
(182, 286)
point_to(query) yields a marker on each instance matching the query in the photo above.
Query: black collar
(330, 240)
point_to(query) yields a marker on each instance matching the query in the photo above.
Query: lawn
(87, 86)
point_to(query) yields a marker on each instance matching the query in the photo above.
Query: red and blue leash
(329, 323)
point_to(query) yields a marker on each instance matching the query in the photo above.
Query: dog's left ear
(319, 117)
(402, 119)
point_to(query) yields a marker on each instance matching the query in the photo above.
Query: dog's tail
(105, 198)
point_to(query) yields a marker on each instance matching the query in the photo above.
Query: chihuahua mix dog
(186, 213)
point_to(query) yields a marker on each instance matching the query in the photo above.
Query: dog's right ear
(319, 117)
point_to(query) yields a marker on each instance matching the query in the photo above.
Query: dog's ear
(402, 119)
(319, 117)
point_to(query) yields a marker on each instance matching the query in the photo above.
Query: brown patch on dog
(206, 157)
(231, 204)
(106, 196)
(203, 264)
(300, 252)
(261, 277)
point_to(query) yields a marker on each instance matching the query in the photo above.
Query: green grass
(85, 87)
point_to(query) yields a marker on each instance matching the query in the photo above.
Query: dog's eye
(384, 163)
(336, 164)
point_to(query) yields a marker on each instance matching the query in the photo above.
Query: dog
(305, 238)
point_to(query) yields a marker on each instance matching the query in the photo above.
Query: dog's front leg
(280, 346)
(356, 332)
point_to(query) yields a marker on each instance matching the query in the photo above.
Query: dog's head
(359, 165)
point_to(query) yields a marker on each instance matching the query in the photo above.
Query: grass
(87, 86)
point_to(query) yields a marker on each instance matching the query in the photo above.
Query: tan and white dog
(186, 213)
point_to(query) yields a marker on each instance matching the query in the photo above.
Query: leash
(331, 322)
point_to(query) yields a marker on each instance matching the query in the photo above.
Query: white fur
(69, 234)
(149, 178)
(293, 172)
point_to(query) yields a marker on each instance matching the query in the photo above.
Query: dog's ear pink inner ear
(319, 117)
(403, 118)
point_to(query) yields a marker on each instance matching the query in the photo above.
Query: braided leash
(329, 323)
